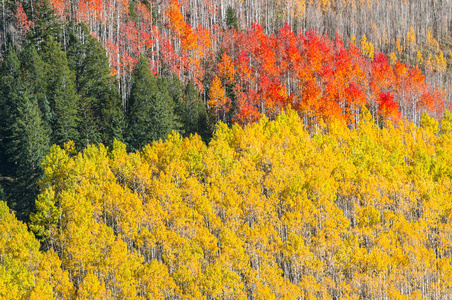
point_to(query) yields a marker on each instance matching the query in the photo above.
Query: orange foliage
(21, 18)
(226, 69)
(182, 30)
(218, 102)
(320, 78)
(59, 6)
(388, 108)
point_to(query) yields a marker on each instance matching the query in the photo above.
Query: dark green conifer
(100, 115)
(45, 23)
(36, 76)
(194, 115)
(232, 21)
(192, 112)
(25, 140)
(10, 90)
(27, 148)
(150, 110)
(188, 106)
(61, 92)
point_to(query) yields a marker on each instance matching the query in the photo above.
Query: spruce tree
(101, 117)
(194, 116)
(25, 141)
(88, 126)
(45, 23)
(36, 76)
(10, 90)
(165, 118)
(189, 108)
(150, 110)
(232, 21)
(61, 92)
(27, 148)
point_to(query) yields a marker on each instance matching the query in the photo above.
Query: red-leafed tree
(387, 107)
(259, 72)
(22, 21)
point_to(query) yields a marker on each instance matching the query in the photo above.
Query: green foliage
(10, 89)
(100, 112)
(150, 108)
(188, 106)
(28, 147)
(45, 23)
(232, 21)
(25, 138)
(61, 92)
(35, 74)
(193, 113)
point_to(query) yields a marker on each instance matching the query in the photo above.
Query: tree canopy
(268, 211)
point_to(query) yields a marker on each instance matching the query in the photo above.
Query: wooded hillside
(92, 72)
(263, 212)
(222, 149)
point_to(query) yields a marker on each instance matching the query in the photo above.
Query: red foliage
(387, 107)
(318, 77)
(21, 18)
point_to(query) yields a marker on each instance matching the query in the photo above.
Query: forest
(222, 149)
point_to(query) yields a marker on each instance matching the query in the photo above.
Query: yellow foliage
(218, 102)
(419, 59)
(411, 37)
(367, 48)
(392, 58)
(26, 272)
(269, 211)
(440, 62)
(399, 46)
(431, 42)
(353, 40)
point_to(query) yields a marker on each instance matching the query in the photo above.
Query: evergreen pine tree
(101, 116)
(10, 90)
(36, 70)
(165, 117)
(24, 138)
(150, 111)
(27, 148)
(61, 92)
(194, 115)
(232, 21)
(88, 126)
(45, 23)
(176, 90)
(189, 107)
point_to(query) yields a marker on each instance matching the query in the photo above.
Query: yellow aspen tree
(419, 58)
(367, 48)
(25, 272)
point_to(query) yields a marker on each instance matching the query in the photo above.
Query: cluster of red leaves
(322, 78)
(21, 18)
(317, 76)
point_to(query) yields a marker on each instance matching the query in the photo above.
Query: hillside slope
(264, 212)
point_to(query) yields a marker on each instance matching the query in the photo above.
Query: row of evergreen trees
(52, 93)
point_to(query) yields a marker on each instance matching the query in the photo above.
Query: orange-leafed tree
(218, 103)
